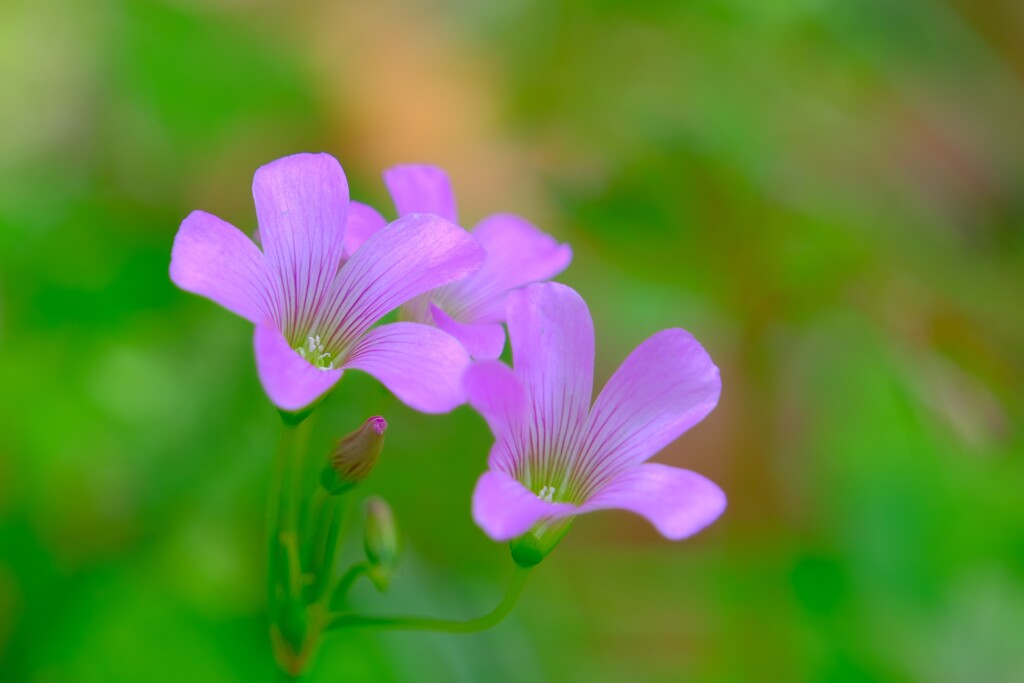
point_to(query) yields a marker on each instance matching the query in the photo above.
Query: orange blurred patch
(401, 88)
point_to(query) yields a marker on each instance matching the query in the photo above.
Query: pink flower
(473, 309)
(557, 456)
(329, 269)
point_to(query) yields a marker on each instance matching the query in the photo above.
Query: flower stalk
(492, 618)
(288, 622)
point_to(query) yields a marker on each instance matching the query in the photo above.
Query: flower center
(547, 494)
(313, 351)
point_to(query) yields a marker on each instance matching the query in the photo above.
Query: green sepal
(334, 483)
(296, 418)
(532, 547)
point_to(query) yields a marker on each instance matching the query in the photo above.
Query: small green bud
(354, 456)
(380, 541)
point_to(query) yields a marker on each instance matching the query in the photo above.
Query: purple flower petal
(667, 385)
(216, 260)
(552, 339)
(301, 206)
(410, 256)
(482, 340)
(289, 380)
(363, 221)
(504, 508)
(421, 365)
(678, 502)
(421, 189)
(495, 392)
(517, 255)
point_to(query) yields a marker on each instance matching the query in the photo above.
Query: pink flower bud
(354, 456)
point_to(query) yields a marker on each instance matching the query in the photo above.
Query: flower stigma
(547, 494)
(314, 352)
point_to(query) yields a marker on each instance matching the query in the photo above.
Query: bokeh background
(828, 193)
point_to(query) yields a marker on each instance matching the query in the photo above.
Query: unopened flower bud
(380, 541)
(354, 456)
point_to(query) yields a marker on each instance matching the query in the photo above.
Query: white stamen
(547, 493)
(313, 351)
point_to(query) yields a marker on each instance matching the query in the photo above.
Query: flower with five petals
(556, 455)
(327, 272)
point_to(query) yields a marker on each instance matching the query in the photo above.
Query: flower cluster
(324, 270)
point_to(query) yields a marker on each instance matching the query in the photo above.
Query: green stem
(488, 620)
(314, 525)
(290, 523)
(324, 566)
(277, 476)
(340, 594)
(284, 568)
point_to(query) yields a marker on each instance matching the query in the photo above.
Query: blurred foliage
(829, 194)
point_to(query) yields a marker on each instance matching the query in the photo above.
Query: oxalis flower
(473, 309)
(556, 455)
(328, 270)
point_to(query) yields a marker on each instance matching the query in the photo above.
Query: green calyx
(334, 483)
(532, 547)
(294, 419)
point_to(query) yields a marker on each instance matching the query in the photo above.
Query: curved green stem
(346, 582)
(486, 621)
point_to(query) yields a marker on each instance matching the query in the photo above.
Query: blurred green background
(828, 193)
